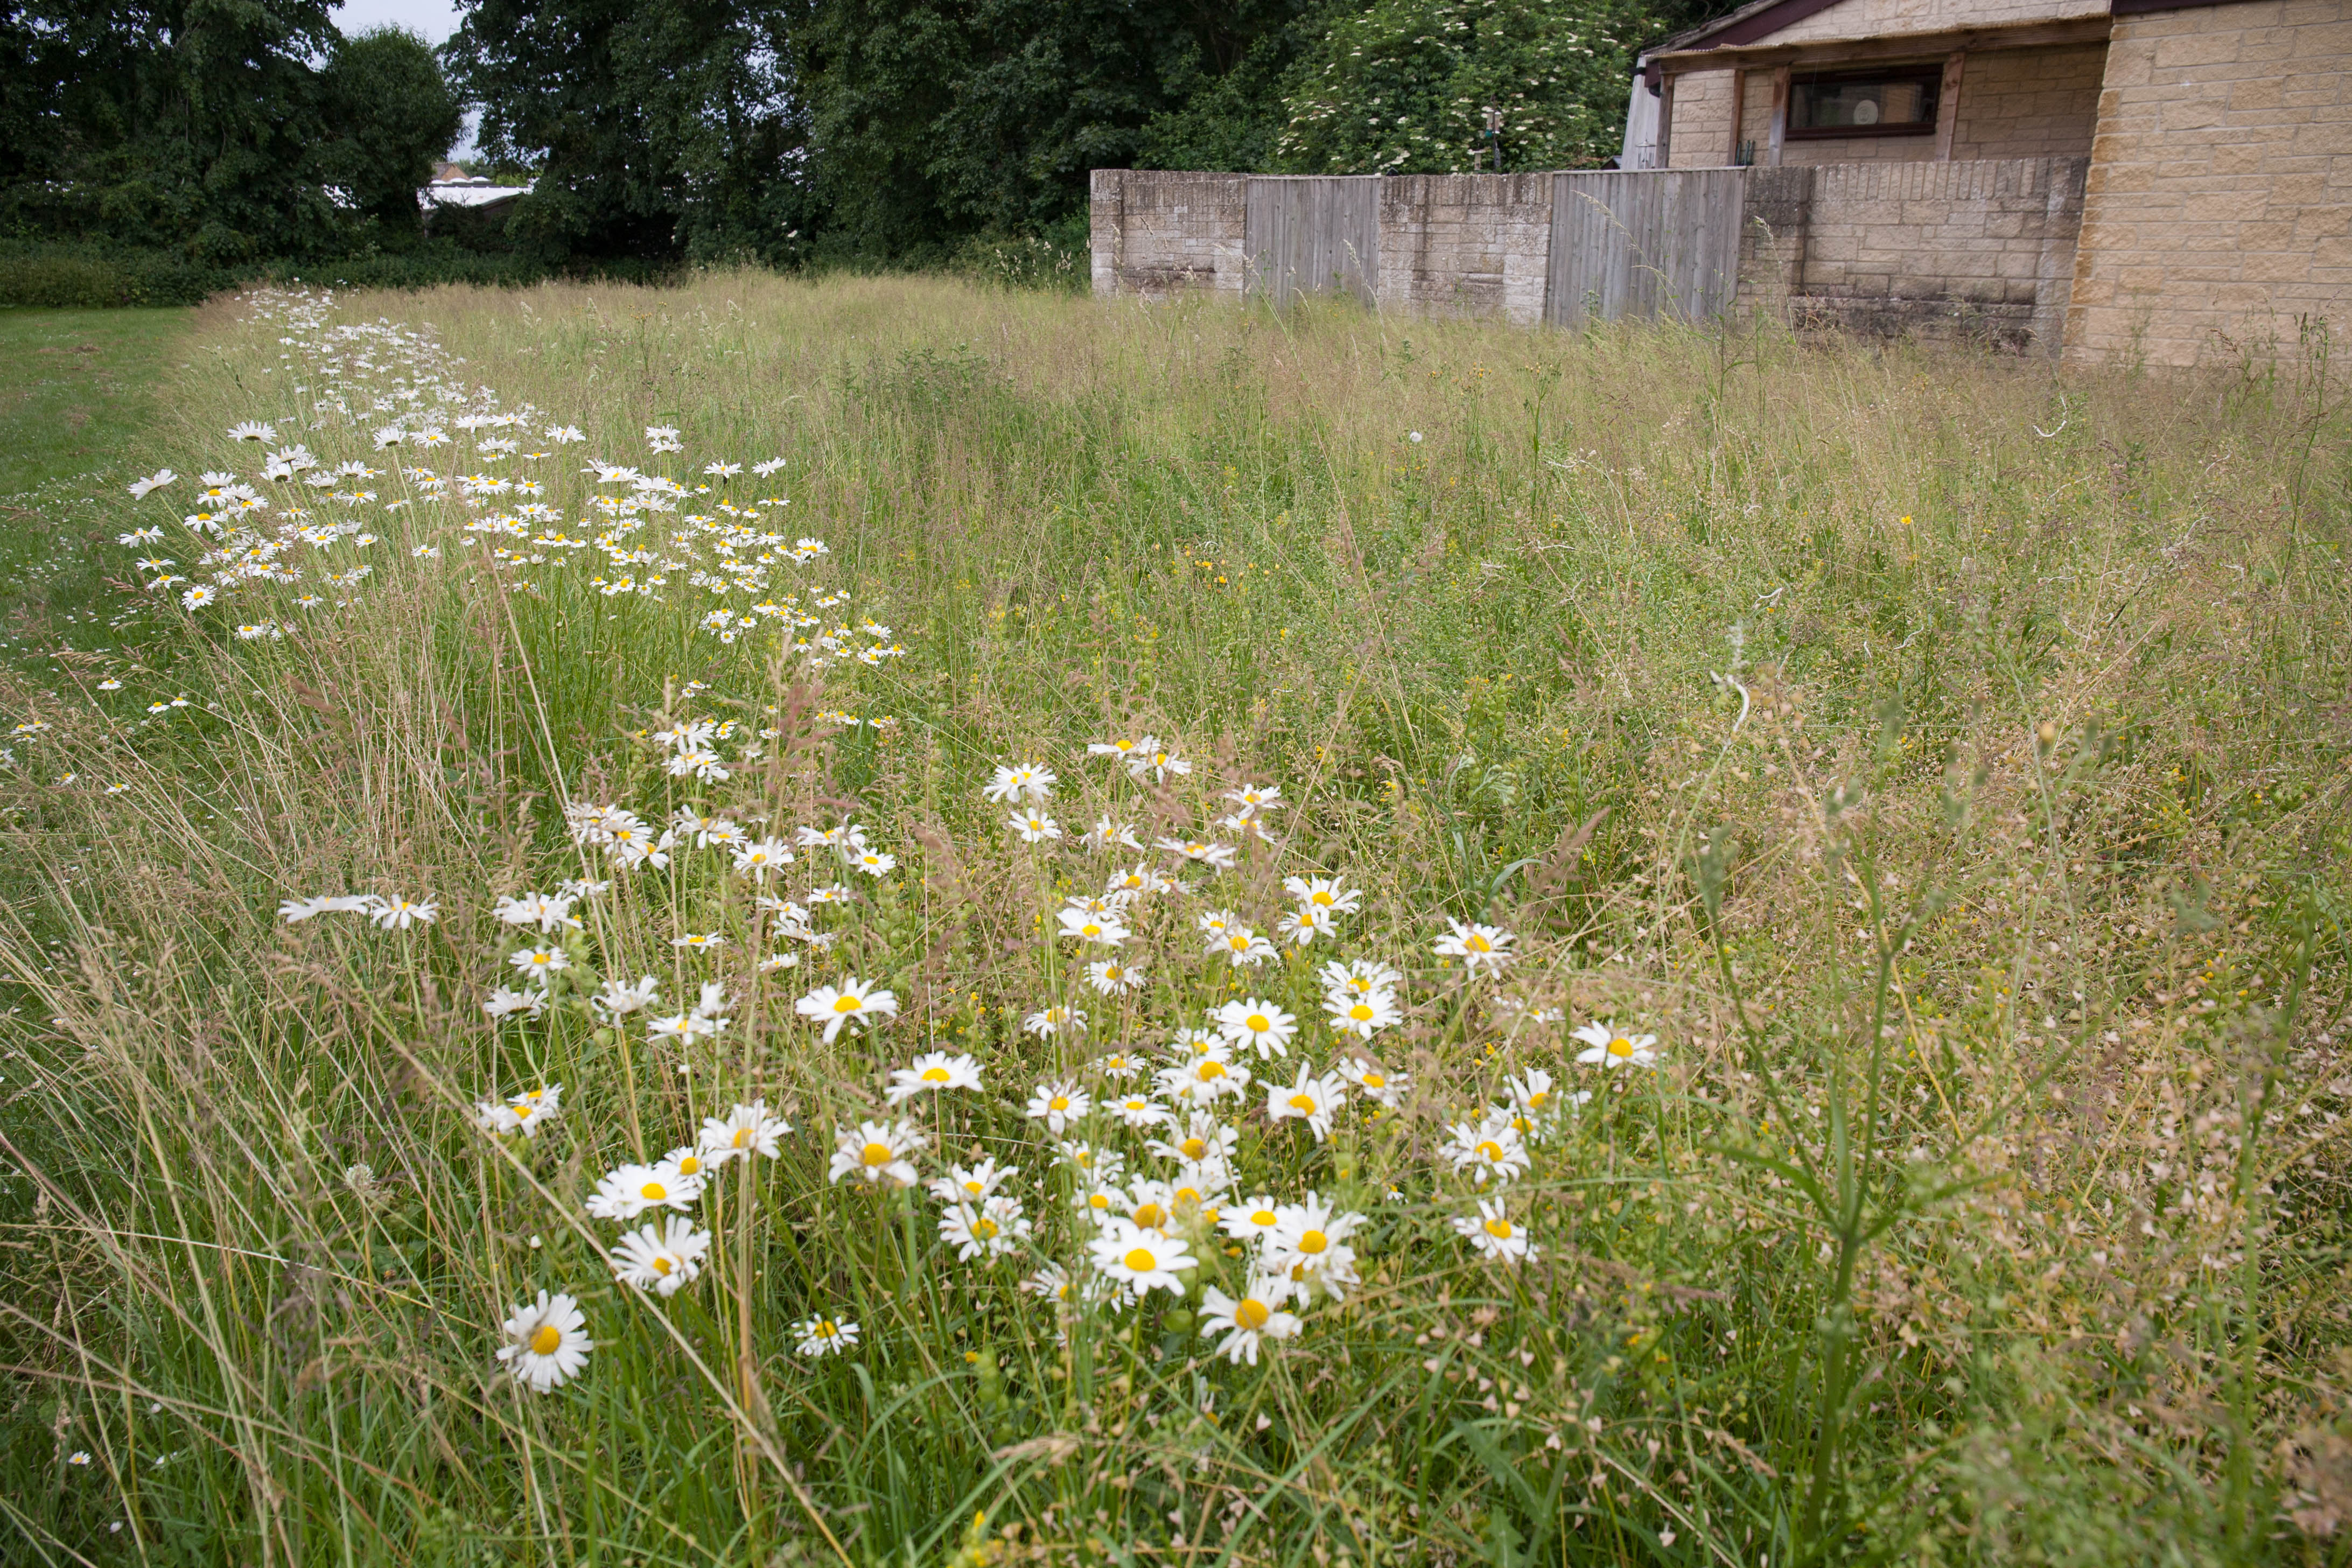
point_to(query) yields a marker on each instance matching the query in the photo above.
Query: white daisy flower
(547, 1343)
(1492, 1234)
(1612, 1048)
(817, 1336)
(932, 1070)
(1259, 1025)
(1247, 1322)
(1479, 947)
(661, 1257)
(1060, 1105)
(1139, 1260)
(852, 1000)
(743, 1132)
(875, 1152)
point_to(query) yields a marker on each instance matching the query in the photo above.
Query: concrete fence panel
(1644, 243)
(1312, 234)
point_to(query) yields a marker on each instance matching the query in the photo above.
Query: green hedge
(63, 277)
(86, 276)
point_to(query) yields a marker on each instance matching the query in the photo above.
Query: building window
(1864, 103)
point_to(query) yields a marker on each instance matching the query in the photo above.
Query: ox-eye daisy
(1363, 1013)
(624, 1194)
(1019, 782)
(851, 1000)
(824, 1336)
(1259, 1025)
(932, 1070)
(1492, 1232)
(1249, 1319)
(661, 1257)
(1058, 1106)
(1479, 947)
(875, 1152)
(745, 1131)
(547, 1343)
(1140, 1259)
(1610, 1047)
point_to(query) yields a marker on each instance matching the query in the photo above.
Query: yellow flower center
(1099, 1201)
(546, 1340)
(1252, 1314)
(1303, 1103)
(690, 1165)
(1193, 1148)
(1361, 1013)
(1536, 1101)
(825, 1329)
(846, 1004)
(1141, 1260)
(1090, 929)
(1150, 1216)
(654, 1193)
(1323, 901)
(1239, 943)
(662, 1265)
(1621, 1047)
(1059, 1102)
(935, 1075)
(742, 1139)
(1500, 1230)
(876, 1154)
(1490, 1150)
(1211, 1069)
(1313, 1242)
(1262, 1216)
(1479, 944)
(1258, 1022)
(1375, 1080)
(983, 1228)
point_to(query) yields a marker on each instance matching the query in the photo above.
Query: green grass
(1944, 757)
(77, 389)
(78, 396)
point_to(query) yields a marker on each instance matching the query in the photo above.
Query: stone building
(2213, 140)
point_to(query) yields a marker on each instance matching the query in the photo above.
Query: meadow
(876, 920)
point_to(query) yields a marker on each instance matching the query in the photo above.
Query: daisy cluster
(1176, 1170)
(447, 454)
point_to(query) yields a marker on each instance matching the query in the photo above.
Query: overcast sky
(434, 19)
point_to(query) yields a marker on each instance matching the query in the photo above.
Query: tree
(182, 122)
(945, 118)
(665, 131)
(1403, 86)
(391, 117)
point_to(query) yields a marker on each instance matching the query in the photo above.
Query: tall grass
(1944, 757)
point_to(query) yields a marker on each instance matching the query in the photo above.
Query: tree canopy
(774, 130)
(231, 130)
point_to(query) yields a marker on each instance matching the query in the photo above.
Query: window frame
(1929, 75)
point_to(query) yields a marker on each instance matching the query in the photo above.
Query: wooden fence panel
(1313, 235)
(1647, 242)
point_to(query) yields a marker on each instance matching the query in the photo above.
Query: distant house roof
(470, 191)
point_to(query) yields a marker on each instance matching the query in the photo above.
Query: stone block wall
(1154, 233)
(1981, 250)
(1465, 244)
(2029, 104)
(1700, 134)
(2220, 206)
